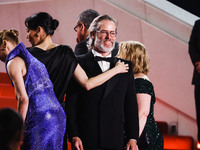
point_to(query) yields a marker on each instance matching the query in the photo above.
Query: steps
(7, 99)
(178, 142)
(7, 93)
(174, 142)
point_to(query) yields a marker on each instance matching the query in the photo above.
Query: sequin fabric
(151, 138)
(45, 122)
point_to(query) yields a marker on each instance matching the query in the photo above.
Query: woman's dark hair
(44, 20)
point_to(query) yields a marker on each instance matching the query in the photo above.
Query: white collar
(95, 53)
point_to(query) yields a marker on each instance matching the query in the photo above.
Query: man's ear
(83, 27)
(93, 34)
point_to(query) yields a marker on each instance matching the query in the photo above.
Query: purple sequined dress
(45, 121)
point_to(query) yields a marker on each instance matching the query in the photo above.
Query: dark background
(193, 6)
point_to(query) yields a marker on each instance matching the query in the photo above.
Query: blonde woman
(150, 137)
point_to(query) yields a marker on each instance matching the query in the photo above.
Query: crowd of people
(98, 96)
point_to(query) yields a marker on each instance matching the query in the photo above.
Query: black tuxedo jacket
(81, 48)
(102, 115)
(194, 50)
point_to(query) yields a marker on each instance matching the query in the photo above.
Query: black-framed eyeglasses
(104, 33)
(75, 28)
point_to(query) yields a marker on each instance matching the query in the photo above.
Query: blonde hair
(135, 52)
(9, 35)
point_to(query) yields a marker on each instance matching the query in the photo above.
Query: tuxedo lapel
(111, 82)
(92, 66)
(94, 69)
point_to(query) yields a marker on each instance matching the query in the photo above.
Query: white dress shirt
(104, 65)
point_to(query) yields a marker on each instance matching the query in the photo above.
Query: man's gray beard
(99, 45)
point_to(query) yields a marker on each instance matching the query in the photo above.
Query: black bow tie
(108, 59)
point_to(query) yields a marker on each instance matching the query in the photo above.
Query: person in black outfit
(11, 129)
(194, 52)
(98, 118)
(84, 20)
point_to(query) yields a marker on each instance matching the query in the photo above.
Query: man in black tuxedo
(194, 51)
(101, 118)
(83, 22)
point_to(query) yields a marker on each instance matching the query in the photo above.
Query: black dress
(151, 138)
(60, 62)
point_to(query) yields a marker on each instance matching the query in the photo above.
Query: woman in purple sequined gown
(44, 117)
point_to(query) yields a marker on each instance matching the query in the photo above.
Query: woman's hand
(121, 67)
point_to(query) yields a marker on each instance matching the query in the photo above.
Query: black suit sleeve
(194, 43)
(131, 109)
(81, 48)
(115, 49)
(72, 109)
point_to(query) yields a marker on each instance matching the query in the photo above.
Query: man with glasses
(101, 118)
(84, 20)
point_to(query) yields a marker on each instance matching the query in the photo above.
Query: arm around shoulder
(82, 78)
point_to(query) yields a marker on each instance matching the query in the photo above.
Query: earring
(37, 34)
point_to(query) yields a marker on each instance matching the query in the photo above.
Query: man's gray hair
(95, 25)
(87, 16)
